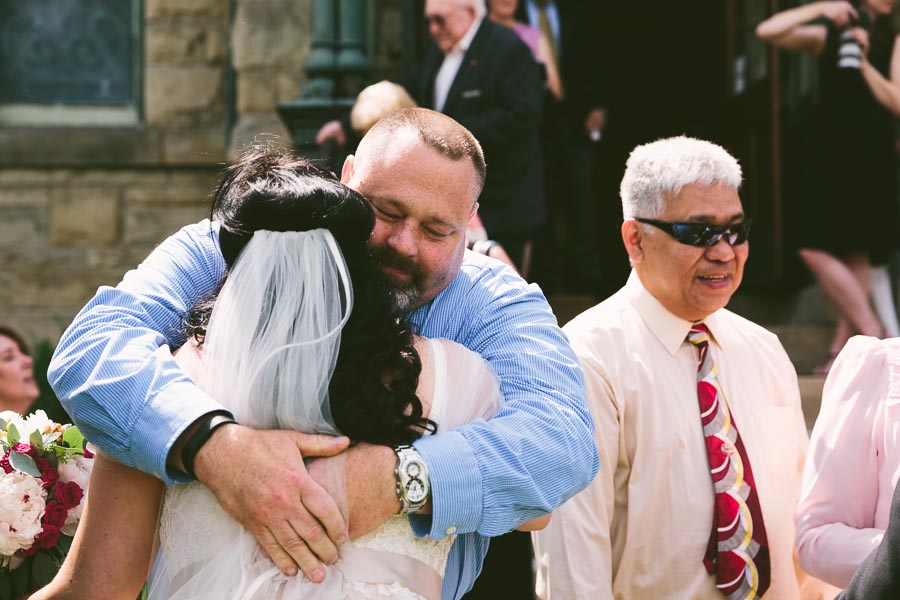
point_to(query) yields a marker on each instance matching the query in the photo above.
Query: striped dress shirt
(114, 373)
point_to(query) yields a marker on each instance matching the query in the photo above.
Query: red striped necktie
(738, 551)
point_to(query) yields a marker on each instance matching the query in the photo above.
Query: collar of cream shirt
(462, 46)
(671, 331)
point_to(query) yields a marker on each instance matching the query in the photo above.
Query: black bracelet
(201, 435)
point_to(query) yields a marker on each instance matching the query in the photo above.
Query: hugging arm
(490, 476)
(113, 547)
(115, 375)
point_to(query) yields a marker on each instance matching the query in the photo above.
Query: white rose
(22, 502)
(77, 469)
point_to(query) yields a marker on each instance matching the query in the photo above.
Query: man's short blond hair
(437, 131)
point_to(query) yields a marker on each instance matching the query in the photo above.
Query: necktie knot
(698, 335)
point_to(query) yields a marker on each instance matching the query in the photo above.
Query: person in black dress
(854, 221)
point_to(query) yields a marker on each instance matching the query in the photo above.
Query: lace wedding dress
(205, 554)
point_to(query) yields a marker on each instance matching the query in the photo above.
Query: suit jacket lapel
(467, 76)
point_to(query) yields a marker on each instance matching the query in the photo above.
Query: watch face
(415, 490)
(413, 469)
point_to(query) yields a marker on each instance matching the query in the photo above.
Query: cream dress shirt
(640, 529)
(854, 461)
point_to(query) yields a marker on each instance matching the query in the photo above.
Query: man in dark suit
(484, 76)
(571, 129)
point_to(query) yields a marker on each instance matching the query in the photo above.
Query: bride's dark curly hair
(373, 389)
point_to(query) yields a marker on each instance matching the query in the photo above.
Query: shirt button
(451, 530)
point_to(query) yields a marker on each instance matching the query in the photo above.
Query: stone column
(321, 66)
(336, 68)
(352, 62)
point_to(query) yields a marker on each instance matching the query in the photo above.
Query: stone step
(811, 397)
(807, 345)
(805, 307)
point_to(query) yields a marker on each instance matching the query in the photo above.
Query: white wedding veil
(268, 355)
(274, 334)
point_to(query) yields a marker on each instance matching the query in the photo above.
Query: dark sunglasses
(701, 234)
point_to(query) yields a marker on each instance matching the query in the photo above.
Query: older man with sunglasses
(697, 410)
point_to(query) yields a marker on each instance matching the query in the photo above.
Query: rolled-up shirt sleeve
(538, 451)
(113, 368)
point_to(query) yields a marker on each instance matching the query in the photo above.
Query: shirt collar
(462, 46)
(670, 330)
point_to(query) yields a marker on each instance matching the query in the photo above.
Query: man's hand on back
(260, 479)
(364, 477)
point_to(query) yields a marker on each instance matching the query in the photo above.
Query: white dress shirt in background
(450, 67)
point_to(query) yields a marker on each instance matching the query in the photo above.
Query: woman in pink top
(502, 11)
(853, 462)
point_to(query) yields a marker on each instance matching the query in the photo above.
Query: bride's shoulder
(444, 350)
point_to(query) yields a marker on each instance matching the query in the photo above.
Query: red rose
(35, 546)
(69, 494)
(48, 537)
(4, 464)
(49, 473)
(55, 514)
(23, 449)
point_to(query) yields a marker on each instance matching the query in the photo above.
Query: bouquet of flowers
(44, 473)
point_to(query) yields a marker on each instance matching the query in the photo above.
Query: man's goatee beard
(404, 300)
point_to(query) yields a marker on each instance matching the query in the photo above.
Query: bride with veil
(300, 336)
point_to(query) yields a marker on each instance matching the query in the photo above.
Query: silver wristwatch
(413, 487)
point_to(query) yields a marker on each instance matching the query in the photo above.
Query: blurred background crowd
(116, 117)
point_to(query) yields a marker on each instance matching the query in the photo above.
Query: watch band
(200, 436)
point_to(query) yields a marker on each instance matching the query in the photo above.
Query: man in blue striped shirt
(422, 172)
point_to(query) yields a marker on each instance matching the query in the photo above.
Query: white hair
(479, 5)
(657, 171)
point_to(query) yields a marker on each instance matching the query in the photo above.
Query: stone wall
(80, 205)
(64, 232)
(270, 40)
